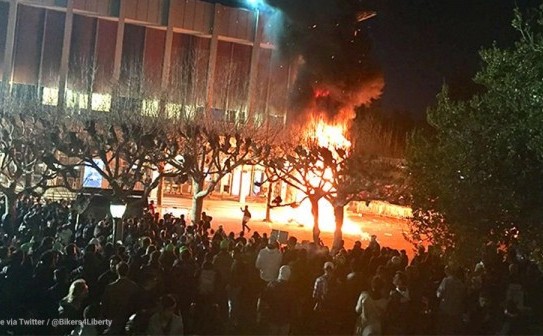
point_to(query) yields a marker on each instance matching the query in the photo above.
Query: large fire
(331, 136)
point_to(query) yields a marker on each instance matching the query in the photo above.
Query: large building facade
(200, 55)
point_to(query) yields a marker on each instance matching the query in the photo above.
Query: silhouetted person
(165, 321)
(246, 218)
(118, 301)
(71, 307)
(279, 303)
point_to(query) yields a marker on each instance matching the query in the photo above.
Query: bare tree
(28, 149)
(301, 167)
(123, 146)
(213, 137)
(356, 177)
(365, 170)
(210, 149)
(338, 172)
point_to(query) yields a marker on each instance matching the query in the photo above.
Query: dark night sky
(422, 44)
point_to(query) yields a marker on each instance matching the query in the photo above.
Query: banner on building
(91, 177)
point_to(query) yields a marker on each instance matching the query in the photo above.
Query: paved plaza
(227, 213)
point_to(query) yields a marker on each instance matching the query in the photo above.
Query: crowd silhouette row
(171, 278)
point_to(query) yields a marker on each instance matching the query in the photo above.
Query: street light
(117, 211)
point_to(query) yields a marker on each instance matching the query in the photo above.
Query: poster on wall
(91, 177)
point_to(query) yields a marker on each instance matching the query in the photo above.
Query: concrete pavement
(389, 231)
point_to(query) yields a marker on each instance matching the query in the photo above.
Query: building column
(94, 64)
(268, 93)
(160, 188)
(290, 80)
(164, 97)
(212, 58)
(253, 73)
(65, 55)
(119, 42)
(7, 68)
(242, 196)
(166, 62)
(40, 66)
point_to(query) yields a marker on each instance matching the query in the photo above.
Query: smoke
(335, 72)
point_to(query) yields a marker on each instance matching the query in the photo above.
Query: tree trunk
(315, 213)
(160, 195)
(11, 211)
(197, 201)
(160, 189)
(119, 194)
(268, 200)
(339, 214)
(7, 204)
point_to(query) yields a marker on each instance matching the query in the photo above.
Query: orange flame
(321, 93)
(332, 136)
(327, 221)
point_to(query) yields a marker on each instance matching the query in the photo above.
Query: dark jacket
(279, 302)
(119, 302)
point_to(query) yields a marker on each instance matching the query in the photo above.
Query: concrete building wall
(206, 55)
(202, 56)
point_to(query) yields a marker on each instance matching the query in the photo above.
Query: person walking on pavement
(246, 219)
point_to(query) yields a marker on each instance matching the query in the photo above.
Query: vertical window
(28, 42)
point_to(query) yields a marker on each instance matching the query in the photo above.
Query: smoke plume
(335, 72)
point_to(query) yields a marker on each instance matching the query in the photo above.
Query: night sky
(422, 44)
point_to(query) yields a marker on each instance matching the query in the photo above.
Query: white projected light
(255, 3)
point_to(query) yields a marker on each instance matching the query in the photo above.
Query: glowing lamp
(117, 210)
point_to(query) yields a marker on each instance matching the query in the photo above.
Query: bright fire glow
(328, 135)
(331, 136)
(327, 222)
(302, 215)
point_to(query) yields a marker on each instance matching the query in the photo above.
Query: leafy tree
(476, 175)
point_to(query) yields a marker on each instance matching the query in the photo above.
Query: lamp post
(117, 211)
(6, 200)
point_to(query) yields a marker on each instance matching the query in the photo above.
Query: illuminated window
(50, 96)
(76, 99)
(150, 107)
(234, 116)
(173, 110)
(242, 117)
(231, 116)
(191, 111)
(258, 119)
(101, 102)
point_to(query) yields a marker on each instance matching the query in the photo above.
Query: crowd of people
(170, 277)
